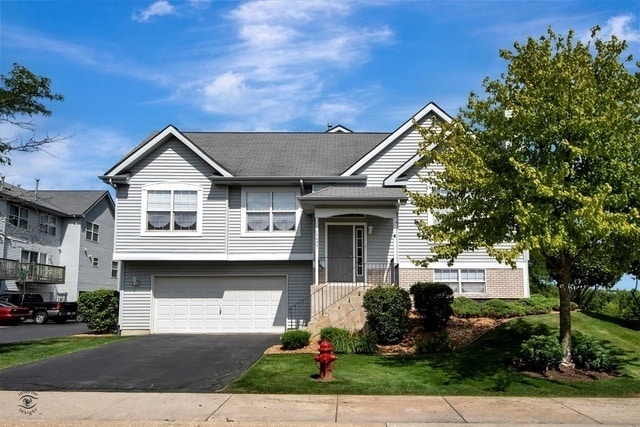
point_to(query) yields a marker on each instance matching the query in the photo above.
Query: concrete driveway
(163, 363)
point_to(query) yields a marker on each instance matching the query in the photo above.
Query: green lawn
(21, 353)
(482, 369)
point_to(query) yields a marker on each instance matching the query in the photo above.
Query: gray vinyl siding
(172, 162)
(269, 244)
(89, 277)
(136, 301)
(393, 157)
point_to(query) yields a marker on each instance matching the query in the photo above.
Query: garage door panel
(219, 304)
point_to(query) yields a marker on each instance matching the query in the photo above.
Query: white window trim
(96, 233)
(460, 281)
(171, 186)
(243, 204)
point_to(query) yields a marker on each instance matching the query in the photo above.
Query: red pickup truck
(41, 311)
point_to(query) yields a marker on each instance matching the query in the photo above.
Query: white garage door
(219, 304)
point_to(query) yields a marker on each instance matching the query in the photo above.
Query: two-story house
(250, 231)
(56, 243)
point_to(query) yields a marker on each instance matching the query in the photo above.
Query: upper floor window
(270, 211)
(48, 224)
(462, 280)
(19, 216)
(172, 208)
(92, 231)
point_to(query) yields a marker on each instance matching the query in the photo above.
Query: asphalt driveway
(163, 363)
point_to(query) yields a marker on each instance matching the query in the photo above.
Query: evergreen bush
(99, 310)
(436, 342)
(387, 312)
(295, 339)
(433, 303)
(589, 354)
(541, 353)
(466, 307)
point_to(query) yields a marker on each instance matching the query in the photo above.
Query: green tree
(21, 97)
(548, 160)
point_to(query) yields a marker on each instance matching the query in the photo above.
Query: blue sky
(127, 68)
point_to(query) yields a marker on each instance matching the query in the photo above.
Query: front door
(345, 253)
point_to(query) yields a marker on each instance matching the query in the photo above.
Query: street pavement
(221, 409)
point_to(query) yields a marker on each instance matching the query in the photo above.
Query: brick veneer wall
(501, 282)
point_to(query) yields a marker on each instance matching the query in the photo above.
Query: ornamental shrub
(346, 342)
(436, 342)
(498, 309)
(99, 309)
(541, 353)
(466, 307)
(295, 339)
(387, 312)
(539, 304)
(589, 354)
(433, 303)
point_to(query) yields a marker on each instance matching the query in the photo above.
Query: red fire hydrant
(325, 359)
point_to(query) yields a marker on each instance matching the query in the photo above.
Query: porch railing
(31, 272)
(342, 284)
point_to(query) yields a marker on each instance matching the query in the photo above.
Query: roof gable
(393, 138)
(155, 141)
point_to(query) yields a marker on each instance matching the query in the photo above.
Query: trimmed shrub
(433, 303)
(387, 312)
(538, 304)
(295, 339)
(541, 353)
(99, 309)
(498, 309)
(437, 342)
(346, 342)
(589, 354)
(466, 307)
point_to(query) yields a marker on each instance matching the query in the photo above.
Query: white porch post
(316, 248)
(396, 247)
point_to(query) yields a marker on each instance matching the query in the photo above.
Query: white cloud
(285, 54)
(73, 163)
(159, 8)
(621, 26)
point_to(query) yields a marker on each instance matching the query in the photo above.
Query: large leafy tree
(21, 97)
(548, 160)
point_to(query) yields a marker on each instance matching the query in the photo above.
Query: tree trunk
(565, 310)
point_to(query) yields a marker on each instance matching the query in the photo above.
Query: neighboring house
(56, 243)
(234, 232)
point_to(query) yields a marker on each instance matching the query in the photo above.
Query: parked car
(12, 313)
(41, 311)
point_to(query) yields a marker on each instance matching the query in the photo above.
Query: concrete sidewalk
(212, 410)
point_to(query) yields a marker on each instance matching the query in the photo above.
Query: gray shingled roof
(62, 202)
(285, 153)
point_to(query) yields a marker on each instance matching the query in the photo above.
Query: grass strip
(20, 353)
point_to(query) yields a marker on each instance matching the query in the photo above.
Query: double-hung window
(19, 216)
(92, 232)
(462, 280)
(48, 224)
(171, 208)
(270, 211)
